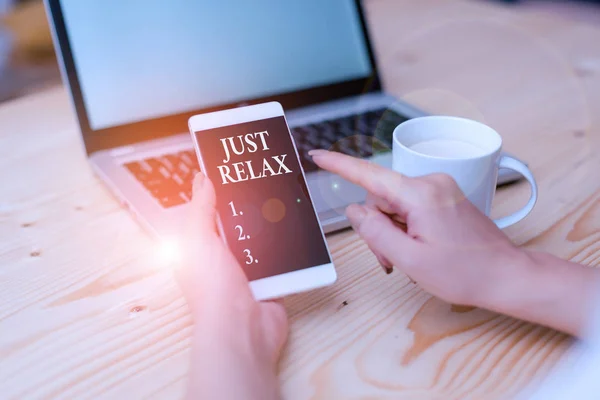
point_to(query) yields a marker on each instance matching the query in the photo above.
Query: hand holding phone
(220, 302)
(265, 212)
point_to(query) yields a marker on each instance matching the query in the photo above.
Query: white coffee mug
(467, 150)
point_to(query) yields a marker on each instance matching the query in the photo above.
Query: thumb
(199, 230)
(382, 236)
(208, 268)
(275, 326)
(202, 220)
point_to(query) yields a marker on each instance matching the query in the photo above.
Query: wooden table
(87, 311)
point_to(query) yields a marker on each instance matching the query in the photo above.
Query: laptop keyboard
(169, 177)
(359, 135)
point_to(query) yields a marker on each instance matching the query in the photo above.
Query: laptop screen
(140, 59)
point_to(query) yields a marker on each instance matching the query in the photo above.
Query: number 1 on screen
(233, 211)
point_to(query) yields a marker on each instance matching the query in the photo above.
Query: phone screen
(267, 217)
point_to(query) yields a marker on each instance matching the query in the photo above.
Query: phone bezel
(288, 282)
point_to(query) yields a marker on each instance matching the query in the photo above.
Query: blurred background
(28, 64)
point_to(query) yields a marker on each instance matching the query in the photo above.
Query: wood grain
(87, 311)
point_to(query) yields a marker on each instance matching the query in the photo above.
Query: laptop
(136, 71)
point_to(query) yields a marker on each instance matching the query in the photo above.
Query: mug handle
(518, 166)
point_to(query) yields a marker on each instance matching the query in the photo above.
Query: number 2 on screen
(242, 236)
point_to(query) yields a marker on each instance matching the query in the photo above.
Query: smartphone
(265, 212)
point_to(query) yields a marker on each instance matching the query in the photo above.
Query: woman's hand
(427, 228)
(236, 340)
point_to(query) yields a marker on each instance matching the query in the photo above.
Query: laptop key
(313, 140)
(329, 134)
(153, 163)
(177, 179)
(164, 172)
(189, 158)
(135, 168)
(183, 169)
(168, 202)
(151, 185)
(145, 166)
(187, 198)
(172, 159)
(166, 163)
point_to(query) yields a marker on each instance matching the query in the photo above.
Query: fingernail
(387, 266)
(317, 152)
(356, 213)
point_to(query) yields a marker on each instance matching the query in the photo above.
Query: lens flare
(273, 210)
(168, 252)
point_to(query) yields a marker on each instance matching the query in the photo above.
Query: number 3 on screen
(249, 257)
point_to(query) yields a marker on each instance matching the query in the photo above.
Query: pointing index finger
(377, 180)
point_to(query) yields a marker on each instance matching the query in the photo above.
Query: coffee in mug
(447, 148)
